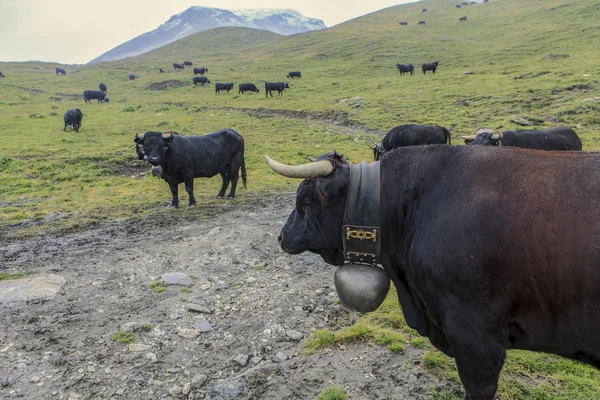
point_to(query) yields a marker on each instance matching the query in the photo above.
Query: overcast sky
(77, 31)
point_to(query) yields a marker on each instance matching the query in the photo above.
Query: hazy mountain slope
(198, 19)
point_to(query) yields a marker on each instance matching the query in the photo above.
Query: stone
(294, 335)
(139, 347)
(198, 308)
(203, 325)
(229, 389)
(279, 357)
(176, 279)
(186, 389)
(198, 381)
(131, 327)
(151, 357)
(34, 379)
(175, 390)
(241, 359)
(43, 286)
(213, 231)
(187, 333)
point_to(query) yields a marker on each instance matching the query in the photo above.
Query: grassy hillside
(493, 69)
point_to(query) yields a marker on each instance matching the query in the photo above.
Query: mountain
(198, 19)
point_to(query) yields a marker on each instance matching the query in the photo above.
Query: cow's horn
(470, 137)
(497, 136)
(311, 159)
(312, 170)
(167, 135)
(137, 135)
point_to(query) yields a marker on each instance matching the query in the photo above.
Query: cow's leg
(235, 169)
(175, 201)
(479, 351)
(189, 188)
(65, 127)
(225, 175)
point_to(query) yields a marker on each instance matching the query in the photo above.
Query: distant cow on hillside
(178, 66)
(99, 95)
(462, 19)
(60, 71)
(103, 87)
(73, 118)
(421, 22)
(458, 6)
(402, 68)
(403, 23)
(188, 64)
(161, 70)
(429, 67)
(275, 86)
(200, 71)
(223, 86)
(2, 75)
(132, 76)
(247, 87)
(411, 135)
(424, 10)
(294, 74)
(200, 80)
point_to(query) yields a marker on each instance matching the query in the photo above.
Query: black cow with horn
(180, 159)
(482, 262)
(411, 135)
(556, 138)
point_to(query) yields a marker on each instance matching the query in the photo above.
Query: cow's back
(556, 138)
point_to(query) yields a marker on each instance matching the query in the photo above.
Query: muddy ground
(261, 303)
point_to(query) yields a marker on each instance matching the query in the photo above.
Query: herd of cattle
(461, 19)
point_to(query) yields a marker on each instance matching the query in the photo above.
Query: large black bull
(411, 135)
(278, 87)
(429, 67)
(403, 68)
(556, 138)
(89, 95)
(247, 87)
(73, 118)
(223, 86)
(60, 71)
(489, 249)
(180, 159)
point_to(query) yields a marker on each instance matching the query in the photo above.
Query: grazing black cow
(2, 75)
(178, 66)
(403, 23)
(161, 70)
(132, 76)
(555, 138)
(60, 71)
(486, 1)
(275, 86)
(412, 135)
(429, 67)
(73, 118)
(424, 10)
(462, 19)
(458, 6)
(247, 87)
(88, 95)
(103, 87)
(223, 86)
(402, 68)
(188, 64)
(200, 80)
(200, 71)
(421, 23)
(294, 74)
(180, 159)
(488, 250)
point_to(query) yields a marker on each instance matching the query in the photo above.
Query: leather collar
(361, 232)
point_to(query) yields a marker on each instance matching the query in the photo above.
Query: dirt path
(263, 303)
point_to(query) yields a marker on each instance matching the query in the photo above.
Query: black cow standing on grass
(161, 70)
(429, 67)
(223, 86)
(73, 118)
(275, 86)
(99, 95)
(489, 249)
(177, 66)
(403, 23)
(424, 10)
(60, 71)
(2, 75)
(103, 87)
(555, 138)
(403, 68)
(180, 159)
(294, 74)
(411, 135)
(200, 71)
(421, 23)
(200, 80)
(462, 19)
(188, 64)
(247, 87)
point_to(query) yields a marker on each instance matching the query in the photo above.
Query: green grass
(123, 337)
(157, 286)
(11, 275)
(332, 393)
(147, 327)
(186, 290)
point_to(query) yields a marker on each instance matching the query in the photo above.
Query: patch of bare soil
(166, 84)
(254, 306)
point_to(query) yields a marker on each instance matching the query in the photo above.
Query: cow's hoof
(173, 206)
(229, 197)
(193, 205)
(220, 197)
